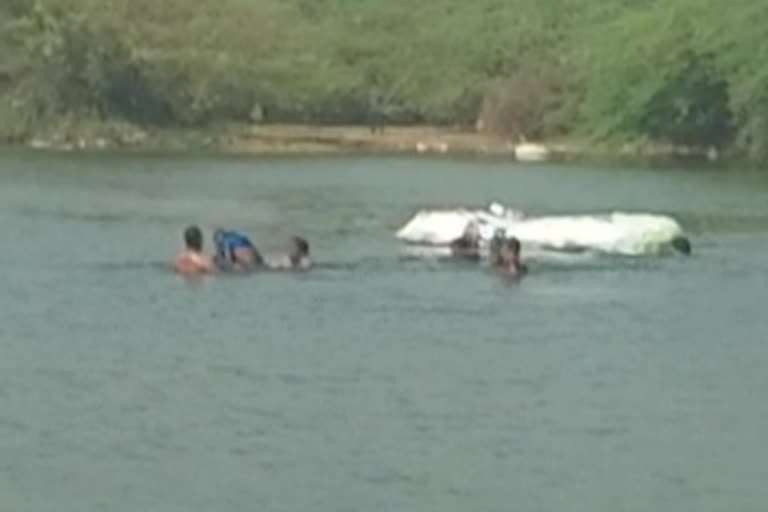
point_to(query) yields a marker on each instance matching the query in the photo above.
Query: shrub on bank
(688, 73)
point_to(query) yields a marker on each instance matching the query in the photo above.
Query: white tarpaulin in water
(617, 232)
(441, 227)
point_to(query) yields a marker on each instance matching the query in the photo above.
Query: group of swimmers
(234, 252)
(504, 251)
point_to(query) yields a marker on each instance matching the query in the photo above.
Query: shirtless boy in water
(235, 251)
(192, 259)
(507, 258)
(467, 246)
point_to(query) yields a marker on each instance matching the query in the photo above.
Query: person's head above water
(193, 238)
(508, 258)
(192, 260)
(298, 252)
(498, 238)
(509, 252)
(299, 248)
(469, 241)
(513, 245)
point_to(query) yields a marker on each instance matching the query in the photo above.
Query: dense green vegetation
(684, 72)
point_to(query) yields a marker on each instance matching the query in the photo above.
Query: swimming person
(467, 246)
(296, 258)
(497, 242)
(508, 258)
(235, 251)
(192, 259)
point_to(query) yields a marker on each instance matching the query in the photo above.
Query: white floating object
(529, 152)
(616, 232)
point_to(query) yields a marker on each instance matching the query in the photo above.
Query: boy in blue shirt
(235, 251)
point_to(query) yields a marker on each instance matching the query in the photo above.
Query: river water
(374, 383)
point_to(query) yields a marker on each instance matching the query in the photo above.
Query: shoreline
(306, 139)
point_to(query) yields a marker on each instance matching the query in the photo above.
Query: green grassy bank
(683, 73)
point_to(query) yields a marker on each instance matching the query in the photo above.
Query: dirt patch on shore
(389, 139)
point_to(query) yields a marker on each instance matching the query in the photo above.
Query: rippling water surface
(374, 383)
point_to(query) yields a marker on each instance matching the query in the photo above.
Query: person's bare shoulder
(188, 262)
